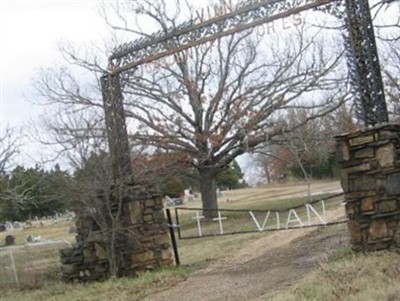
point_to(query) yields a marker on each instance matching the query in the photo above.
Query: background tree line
(27, 193)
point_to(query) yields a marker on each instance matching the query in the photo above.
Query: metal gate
(191, 223)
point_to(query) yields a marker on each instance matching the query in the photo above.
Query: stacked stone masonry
(142, 243)
(370, 173)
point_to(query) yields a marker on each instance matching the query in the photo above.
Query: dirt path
(262, 268)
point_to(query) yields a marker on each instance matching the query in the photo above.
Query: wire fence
(30, 264)
(191, 222)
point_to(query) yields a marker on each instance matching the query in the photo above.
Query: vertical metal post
(116, 127)
(173, 239)
(364, 63)
(121, 165)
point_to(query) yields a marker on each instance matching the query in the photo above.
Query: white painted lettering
(310, 209)
(198, 217)
(260, 228)
(278, 220)
(220, 219)
(295, 220)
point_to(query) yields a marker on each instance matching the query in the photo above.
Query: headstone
(32, 238)
(181, 197)
(189, 195)
(9, 226)
(169, 201)
(10, 240)
(17, 225)
(178, 201)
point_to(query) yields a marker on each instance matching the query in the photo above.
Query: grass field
(34, 263)
(344, 276)
(49, 231)
(350, 276)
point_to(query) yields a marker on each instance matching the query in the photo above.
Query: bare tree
(211, 103)
(9, 148)
(220, 100)
(391, 72)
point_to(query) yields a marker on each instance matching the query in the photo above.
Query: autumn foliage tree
(308, 151)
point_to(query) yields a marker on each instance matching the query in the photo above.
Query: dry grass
(48, 231)
(120, 289)
(35, 263)
(253, 198)
(199, 253)
(352, 277)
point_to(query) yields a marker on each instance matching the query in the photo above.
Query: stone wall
(370, 172)
(141, 241)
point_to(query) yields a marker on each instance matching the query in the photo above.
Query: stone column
(370, 173)
(144, 244)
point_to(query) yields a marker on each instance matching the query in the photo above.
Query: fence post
(13, 267)
(177, 222)
(171, 227)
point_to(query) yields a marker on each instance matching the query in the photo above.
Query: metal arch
(195, 32)
(362, 60)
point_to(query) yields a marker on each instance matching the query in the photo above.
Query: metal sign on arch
(196, 32)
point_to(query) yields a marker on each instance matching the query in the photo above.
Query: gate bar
(171, 227)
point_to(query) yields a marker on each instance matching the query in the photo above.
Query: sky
(29, 33)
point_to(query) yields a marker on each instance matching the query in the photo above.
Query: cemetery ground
(301, 264)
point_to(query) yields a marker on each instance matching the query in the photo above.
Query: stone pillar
(370, 173)
(142, 241)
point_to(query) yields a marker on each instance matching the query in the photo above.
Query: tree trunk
(208, 191)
